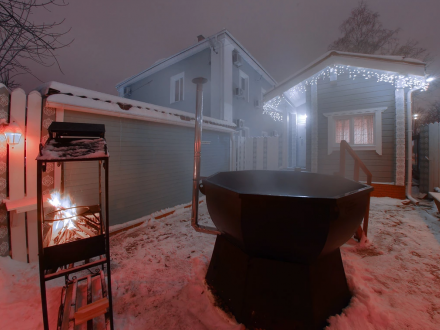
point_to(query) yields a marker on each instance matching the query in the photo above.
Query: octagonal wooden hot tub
(277, 263)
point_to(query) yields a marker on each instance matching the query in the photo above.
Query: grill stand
(270, 294)
(66, 259)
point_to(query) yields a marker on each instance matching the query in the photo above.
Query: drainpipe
(409, 146)
(197, 148)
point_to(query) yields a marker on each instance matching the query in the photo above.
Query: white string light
(271, 108)
(400, 81)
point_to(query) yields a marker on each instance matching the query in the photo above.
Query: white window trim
(263, 91)
(377, 134)
(173, 80)
(243, 75)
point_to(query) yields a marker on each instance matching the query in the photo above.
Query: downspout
(197, 149)
(409, 146)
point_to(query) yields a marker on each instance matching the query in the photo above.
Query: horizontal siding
(151, 165)
(348, 94)
(155, 88)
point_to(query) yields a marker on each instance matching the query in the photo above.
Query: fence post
(4, 224)
(16, 177)
(33, 132)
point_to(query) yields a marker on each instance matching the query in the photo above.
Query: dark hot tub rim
(366, 188)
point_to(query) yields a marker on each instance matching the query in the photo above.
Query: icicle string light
(399, 81)
(271, 108)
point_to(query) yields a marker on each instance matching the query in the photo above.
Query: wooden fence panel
(33, 136)
(259, 156)
(257, 153)
(249, 150)
(272, 153)
(16, 177)
(4, 223)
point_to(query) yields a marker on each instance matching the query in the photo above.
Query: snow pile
(158, 274)
(395, 277)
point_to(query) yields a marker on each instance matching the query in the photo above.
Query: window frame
(263, 91)
(173, 81)
(242, 75)
(377, 133)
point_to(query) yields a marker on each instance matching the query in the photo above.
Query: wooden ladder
(358, 164)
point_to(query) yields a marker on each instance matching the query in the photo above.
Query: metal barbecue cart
(76, 238)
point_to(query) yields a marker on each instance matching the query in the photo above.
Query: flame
(66, 209)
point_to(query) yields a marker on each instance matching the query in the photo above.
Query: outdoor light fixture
(302, 119)
(12, 133)
(416, 115)
(430, 79)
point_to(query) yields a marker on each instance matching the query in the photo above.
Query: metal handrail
(358, 164)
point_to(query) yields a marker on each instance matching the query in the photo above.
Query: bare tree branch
(363, 33)
(22, 39)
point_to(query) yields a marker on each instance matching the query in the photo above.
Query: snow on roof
(80, 97)
(203, 44)
(388, 63)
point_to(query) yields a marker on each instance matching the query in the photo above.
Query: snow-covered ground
(158, 276)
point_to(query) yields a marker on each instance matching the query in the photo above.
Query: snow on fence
(33, 114)
(256, 153)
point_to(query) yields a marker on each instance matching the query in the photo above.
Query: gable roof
(201, 45)
(399, 64)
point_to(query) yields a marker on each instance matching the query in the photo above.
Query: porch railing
(358, 164)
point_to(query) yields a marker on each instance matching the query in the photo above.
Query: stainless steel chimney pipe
(197, 150)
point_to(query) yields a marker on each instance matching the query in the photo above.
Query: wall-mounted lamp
(416, 115)
(13, 133)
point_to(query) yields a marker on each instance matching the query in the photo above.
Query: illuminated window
(362, 129)
(358, 130)
(177, 87)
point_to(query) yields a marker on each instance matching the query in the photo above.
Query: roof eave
(351, 59)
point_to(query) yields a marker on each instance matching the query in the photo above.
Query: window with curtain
(342, 130)
(355, 130)
(361, 128)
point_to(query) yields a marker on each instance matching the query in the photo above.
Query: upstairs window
(362, 129)
(177, 86)
(244, 85)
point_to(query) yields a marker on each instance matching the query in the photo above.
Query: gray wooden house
(363, 99)
(234, 91)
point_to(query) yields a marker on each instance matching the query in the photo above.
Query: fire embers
(69, 222)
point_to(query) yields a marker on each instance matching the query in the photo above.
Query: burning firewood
(67, 223)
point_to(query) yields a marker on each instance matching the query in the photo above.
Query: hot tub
(277, 264)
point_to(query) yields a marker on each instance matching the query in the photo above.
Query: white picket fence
(27, 112)
(256, 153)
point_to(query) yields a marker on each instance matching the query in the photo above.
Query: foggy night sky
(115, 39)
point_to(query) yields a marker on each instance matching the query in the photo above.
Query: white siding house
(233, 91)
(363, 99)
